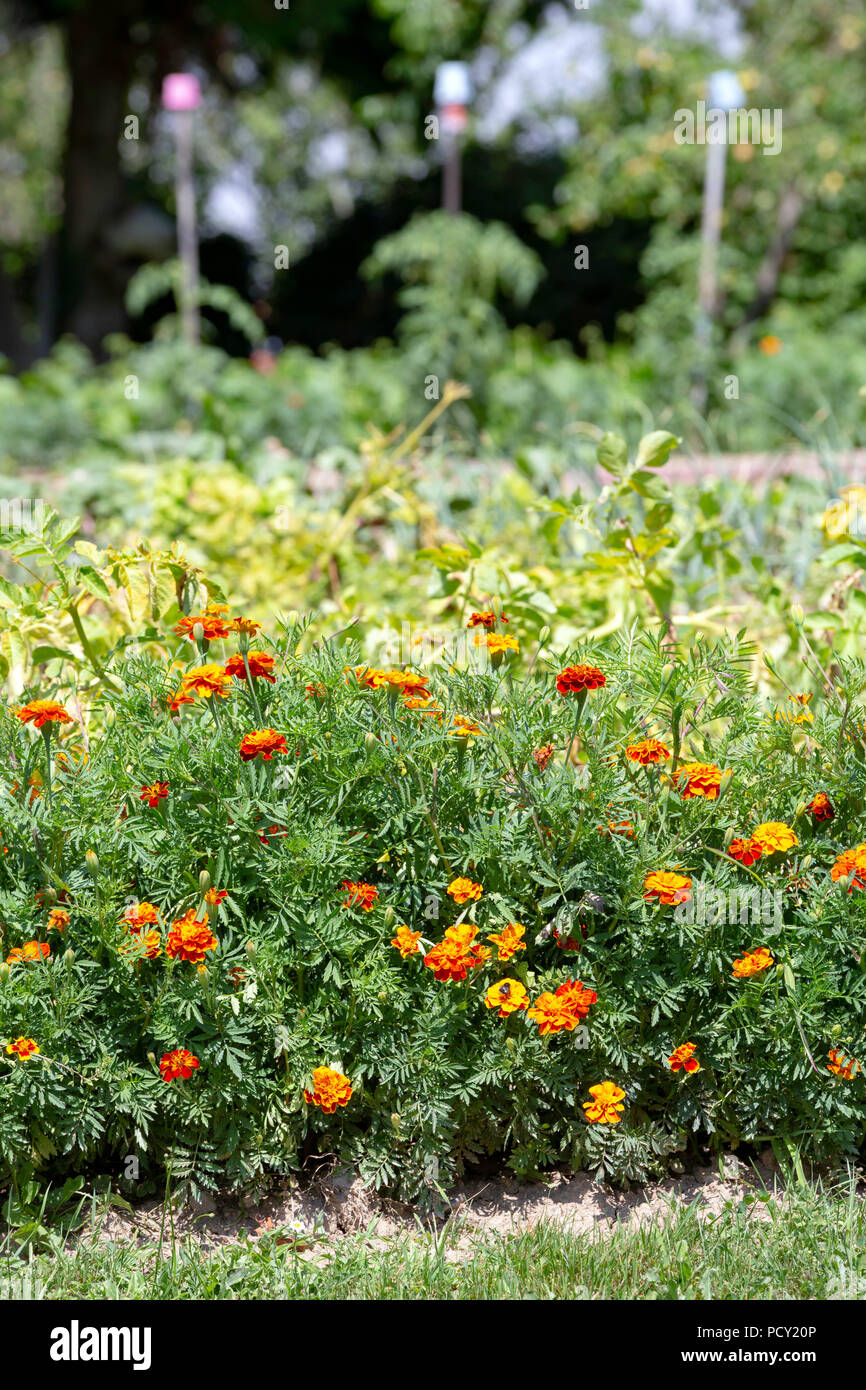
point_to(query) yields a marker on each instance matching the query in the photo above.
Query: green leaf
(612, 453)
(654, 448)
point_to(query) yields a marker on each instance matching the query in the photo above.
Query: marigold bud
(92, 863)
(151, 1057)
(69, 956)
(725, 781)
(805, 861)
(4, 973)
(395, 1120)
(382, 996)
(667, 674)
(801, 806)
(390, 916)
(204, 880)
(543, 635)
(198, 633)
(730, 836)
(250, 949)
(370, 741)
(797, 615)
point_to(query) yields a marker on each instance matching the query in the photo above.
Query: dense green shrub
(373, 790)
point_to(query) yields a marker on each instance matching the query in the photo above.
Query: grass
(811, 1245)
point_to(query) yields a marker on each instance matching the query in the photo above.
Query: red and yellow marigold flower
(30, 951)
(245, 626)
(58, 919)
(785, 716)
(262, 743)
(362, 895)
(543, 755)
(617, 827)
(208, 681)
(838, 1064)
(668, 888)
(406, 942)
(261, 666)
(564, 1010)
(606, 1104)
(214, 896)
(752, 963)
(497, 644)
(212, 622)
(774, 836)
(140, 915)
(456, 954)
(699, 779)
(487, 618)
(572, 680)
(746, 852)
(156, 792)
(190, 938)
(463, 890)
(22, 1048)
(684, 1057)
(463, 727)
(821, 807)
(509, 941)
(178, 1065)
(851, 861)
(330, 1089)
(39, 712)
(647, 751)
(508, 996)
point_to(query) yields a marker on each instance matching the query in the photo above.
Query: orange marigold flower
(456, 954)
(487, 618)
(851, 861)
(406, 942)
(770, 345)
(39, 712)
(315, 691)
(212, 622)
(22, 1048)
(179, 1064)
(464, 727)
(144, 945)
(508, 996)
(745, 851)
(701, 779)
(206, 681)
(821, 807)
(425, 703)
(543, 755)
(684, 1056)
(508, 942)
(563, 1010)
(752, 963)
(244, 625)
(273, 832)
(496, 643)
(264, 742)
(406, 682)
(463, 890)
(261, 665)
(362, 895)
(838, 1064)
(190, 938)
(647, 750)
(215, 896)
(140, 915)
(607, 1102)
(617, 827)
(573, 679)
(774, 835)
(330, 1089)
(669, 888)
(58, 919)
(31, 950)
(156, 792)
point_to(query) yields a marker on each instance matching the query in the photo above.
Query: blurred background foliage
(268, 459)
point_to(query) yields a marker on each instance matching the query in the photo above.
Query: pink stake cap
(181, 92)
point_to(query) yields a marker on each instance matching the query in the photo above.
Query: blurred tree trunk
(100, 59)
